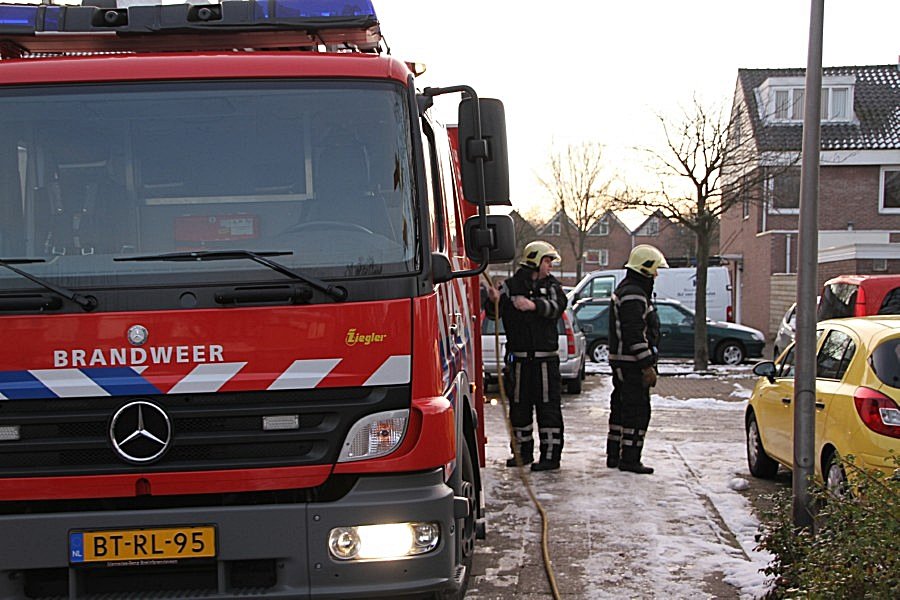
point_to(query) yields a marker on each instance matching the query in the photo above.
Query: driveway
(686, 531)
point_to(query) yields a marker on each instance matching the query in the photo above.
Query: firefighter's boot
(551, 449)
(524, 444)
(613, 446)
(632, 447)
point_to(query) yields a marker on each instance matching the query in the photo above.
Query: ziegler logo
(354, 338)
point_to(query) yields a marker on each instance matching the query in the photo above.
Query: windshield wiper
(88, 303)
(336, 292)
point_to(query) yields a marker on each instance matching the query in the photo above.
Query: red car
(859, 296)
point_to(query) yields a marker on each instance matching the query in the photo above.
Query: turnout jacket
(633, 323)
(531, 334)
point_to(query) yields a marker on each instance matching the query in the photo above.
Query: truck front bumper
(263, 550)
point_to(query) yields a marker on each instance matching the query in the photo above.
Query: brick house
(610, 242)
(859, 183)
(676, 242)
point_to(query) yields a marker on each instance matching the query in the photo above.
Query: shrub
(855, 552)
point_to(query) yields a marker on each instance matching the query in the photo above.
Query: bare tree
(702, 150)
(581, 189)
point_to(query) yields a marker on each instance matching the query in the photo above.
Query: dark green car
(729, 343)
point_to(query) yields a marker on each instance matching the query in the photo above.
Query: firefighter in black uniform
(531, 303)
(633, 349)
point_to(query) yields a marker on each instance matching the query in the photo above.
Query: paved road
(675, 534)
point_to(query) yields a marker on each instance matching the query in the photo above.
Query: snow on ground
(617, 534)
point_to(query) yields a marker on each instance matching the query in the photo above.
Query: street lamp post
(805, 376)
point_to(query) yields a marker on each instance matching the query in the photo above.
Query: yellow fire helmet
(535, 252)
(646, 260)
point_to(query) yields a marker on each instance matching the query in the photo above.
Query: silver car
(786, 331)
(571, 351)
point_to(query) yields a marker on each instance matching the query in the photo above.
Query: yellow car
(857, 402)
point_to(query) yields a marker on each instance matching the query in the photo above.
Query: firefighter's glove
(648, 377)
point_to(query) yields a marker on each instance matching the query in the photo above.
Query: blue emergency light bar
(351, 23)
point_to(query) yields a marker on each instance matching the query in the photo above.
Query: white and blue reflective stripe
(74, 383)
(204, 378)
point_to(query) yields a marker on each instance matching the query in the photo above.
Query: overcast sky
(591, 70)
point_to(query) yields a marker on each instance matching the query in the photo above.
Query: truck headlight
(375, 435)
(379, 542)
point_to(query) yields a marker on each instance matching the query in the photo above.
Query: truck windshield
(319, 169)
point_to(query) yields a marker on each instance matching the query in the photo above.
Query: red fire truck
(238, 284)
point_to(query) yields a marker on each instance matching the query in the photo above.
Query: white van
(677, 283)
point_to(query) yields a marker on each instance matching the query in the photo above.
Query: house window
(889, 194)
(785, 101)
(597, 257)
(554, 227)
(650, 228)
(788, 104)
(601, 227)
(836, 104)
(745, 196)
(783, 191)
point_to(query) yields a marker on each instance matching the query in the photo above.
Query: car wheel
(599, 351)
(836, 478)
(761, 464)
(730, 352)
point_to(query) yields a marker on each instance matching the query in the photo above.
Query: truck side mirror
(499, 238)
(441, 269)
(491, 147)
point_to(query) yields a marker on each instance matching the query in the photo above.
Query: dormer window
(788, 104)
(782, 99)
(836, 104)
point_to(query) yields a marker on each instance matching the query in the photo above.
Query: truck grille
(210, 431)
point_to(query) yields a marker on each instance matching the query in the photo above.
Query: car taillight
(877, 411)
(729, 314)
(570, 336)
(860, 309)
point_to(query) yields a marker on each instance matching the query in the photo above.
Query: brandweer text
(155, 355)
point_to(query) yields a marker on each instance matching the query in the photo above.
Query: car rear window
(837, 301)
(885, 362)
(891, 303)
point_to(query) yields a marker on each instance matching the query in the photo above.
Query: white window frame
(600, 228)
(793, 105)
(770, 193)
(828, 104)
(881, 207)
(597, 256)
(555, 227)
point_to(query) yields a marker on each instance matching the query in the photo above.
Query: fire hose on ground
(520, 467)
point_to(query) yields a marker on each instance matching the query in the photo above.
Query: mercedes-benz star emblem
(137, 335)
(140, 432)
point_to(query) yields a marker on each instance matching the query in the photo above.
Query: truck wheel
(730, 352)
(599, 351)
(465, 540)
(761, 464)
